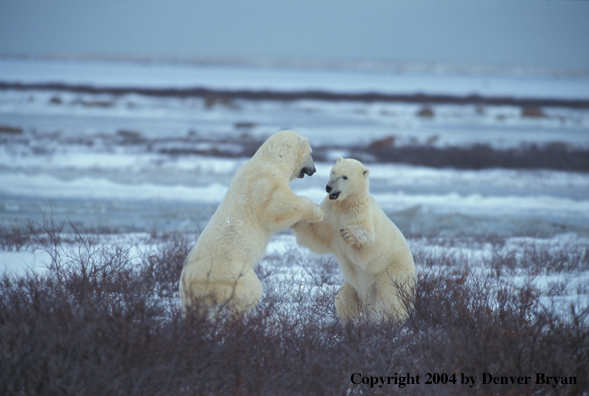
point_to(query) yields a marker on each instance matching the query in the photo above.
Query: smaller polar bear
(372, 253)
(218, 271)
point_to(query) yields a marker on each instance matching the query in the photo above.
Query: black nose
(328, 188)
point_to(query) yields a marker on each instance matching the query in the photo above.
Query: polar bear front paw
(356, 236)
(317, 214)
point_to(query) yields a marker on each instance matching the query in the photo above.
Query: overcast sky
(544, 33)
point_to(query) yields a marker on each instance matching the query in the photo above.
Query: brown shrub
(99, 323)
(533, 112)
(14, 238)
(426, 112)
(480, 156)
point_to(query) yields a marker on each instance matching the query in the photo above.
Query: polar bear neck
(354, 203)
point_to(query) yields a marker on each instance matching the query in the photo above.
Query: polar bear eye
(345, 177)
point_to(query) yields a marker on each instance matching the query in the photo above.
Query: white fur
(373, 255)
(218, 271)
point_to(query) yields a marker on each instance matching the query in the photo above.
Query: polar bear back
(218, 271)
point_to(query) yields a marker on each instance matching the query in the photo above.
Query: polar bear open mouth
(334, 196)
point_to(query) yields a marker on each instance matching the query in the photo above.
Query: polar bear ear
(303, 140)
(339, 159)
(366, 172)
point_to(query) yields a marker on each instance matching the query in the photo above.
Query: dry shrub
(161, 271)
(100, 323)
(14, 238)
(383, 143)
(480, 156)
(532, 112)
(426, 112)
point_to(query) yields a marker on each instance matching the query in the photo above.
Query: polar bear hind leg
(245, 294)
(393, 299)
(219, 297)
(347, 303)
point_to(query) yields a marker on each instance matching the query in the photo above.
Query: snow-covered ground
(134, 162)
(175, 191)
(512, 262)
(105, 159)
(347, 123)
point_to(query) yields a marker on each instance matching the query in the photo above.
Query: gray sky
(541, 33)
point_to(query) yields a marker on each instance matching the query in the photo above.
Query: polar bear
(373, 255)
(218, 271)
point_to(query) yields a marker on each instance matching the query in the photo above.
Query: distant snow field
(139, 163)
(169, 75)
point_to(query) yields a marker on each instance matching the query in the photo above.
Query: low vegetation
(104, 320)
(556, 156)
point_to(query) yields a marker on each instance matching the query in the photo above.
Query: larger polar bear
(372, 253)
(218, 271)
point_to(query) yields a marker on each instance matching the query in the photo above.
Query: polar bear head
(348, 177)
(289, 151)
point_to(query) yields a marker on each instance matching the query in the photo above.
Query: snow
(286, 261)
(232, 77)
(49, 187)
(21, 262)
(349, 123)
(71, 157)
(506, 197)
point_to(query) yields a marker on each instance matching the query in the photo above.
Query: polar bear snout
(307, 170)
(332, 195)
